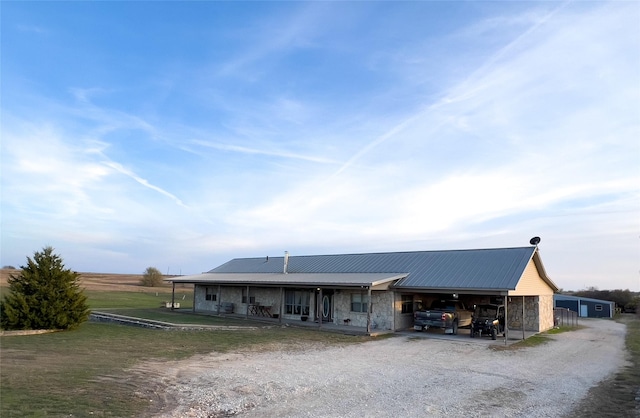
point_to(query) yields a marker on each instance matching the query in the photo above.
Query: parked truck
(445, 314)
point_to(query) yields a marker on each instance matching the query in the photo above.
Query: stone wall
(531, 314)
(381, 317)
(386, 307)
(233, 294)
(342, 310)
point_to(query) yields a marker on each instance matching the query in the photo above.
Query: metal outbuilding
(586, 307)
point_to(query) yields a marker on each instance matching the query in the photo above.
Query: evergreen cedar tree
(44, 295)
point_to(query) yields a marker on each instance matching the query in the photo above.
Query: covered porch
(350, 302)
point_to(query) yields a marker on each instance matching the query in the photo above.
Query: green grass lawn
(101, 300)
(178, 316)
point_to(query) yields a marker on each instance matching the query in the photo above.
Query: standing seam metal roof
(293, 279)
(493, 269)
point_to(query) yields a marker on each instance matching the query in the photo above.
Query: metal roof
(577, 298)
(293, 279)
(481, 269)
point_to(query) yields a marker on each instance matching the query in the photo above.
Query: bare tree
(151, 277)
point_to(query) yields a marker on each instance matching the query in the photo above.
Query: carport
(513, 277)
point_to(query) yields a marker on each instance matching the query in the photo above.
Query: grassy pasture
(95, 370)
(106, 300)
(178, 317)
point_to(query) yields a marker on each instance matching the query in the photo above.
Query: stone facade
(233, 294)
(538, 313)
(381, 317)
(386, 308)
(383, 307)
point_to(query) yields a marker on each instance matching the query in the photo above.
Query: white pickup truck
(445, 314)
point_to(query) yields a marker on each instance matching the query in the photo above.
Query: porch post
(173, 294)
(319, 307)
(369, 310)
(393, 310)
(280, 309)
(523, 317)
(219, 298)
(193, 308)
(506, 318)
(248, 299)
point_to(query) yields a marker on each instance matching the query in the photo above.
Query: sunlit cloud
(119, 168)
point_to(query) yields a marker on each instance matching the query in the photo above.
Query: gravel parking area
(407, 375)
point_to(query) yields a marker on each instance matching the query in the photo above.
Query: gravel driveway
(407, 376)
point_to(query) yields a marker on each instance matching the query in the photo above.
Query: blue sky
(183, 134)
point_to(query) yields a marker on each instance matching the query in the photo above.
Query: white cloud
(418, 150)
(119, 168)
(268, 152)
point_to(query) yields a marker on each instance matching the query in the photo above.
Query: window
(252, 299)
(407, 303)
(296, 302)
(598, 308)
(359, 302)
(210, 294)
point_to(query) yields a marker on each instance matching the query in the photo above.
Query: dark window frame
(407, 304)
(252, 299)
(210, 294)
(297, 302)
(360, 302)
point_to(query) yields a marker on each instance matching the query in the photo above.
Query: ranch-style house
(378, 291)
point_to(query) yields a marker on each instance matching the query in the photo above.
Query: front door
(327, 306)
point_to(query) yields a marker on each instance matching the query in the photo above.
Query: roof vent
(286, 262)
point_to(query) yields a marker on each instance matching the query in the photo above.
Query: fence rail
(565, 317)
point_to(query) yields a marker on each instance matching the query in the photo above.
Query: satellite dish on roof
(534, 241)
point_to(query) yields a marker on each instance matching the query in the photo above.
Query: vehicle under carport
(520, 283)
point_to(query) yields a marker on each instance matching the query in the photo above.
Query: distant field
(103, 281)
(120, 291)
(122, 294)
